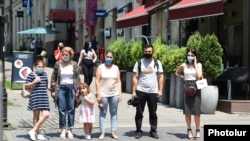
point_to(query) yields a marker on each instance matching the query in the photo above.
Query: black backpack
(139, 65)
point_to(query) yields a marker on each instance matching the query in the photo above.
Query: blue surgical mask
(108, 60)
(65, 59)
(39, 70)
(190, 59)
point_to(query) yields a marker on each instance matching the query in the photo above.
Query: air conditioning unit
(119, 32)
(107, 32)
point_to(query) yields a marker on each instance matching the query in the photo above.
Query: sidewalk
(171, 120)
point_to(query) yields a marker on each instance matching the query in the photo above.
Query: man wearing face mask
(147, 87)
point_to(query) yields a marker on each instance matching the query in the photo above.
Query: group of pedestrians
(69, 91)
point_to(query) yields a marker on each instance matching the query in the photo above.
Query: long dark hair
(86, 47)
(193, 51)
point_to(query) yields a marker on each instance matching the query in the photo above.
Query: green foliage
(122, 51)
(135, 53)
(208, 49)
(127, 53)
(194, 41)
(9, 103)
(210, 55)
(15, 86)
(173, 58)
(114, 46)
(209, 52)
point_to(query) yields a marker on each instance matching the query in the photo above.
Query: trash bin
(237, 77)
(123, 79)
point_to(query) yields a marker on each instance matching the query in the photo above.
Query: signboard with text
(22, 65)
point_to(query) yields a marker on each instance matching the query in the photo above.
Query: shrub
(209, 53)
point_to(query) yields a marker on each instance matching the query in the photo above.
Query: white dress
(87, 112)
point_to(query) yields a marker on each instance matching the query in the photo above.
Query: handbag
(190, 91)
(25, 92)
(201, 83)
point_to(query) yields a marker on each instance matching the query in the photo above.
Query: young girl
(87, 113)
(39, 101)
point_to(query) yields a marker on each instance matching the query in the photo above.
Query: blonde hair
(69, 50)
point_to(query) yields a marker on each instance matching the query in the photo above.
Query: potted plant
(116, 47)
(209, 53)
(171, 60)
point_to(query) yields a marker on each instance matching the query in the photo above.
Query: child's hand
(77, 93)
(37, 79)
(86, 98)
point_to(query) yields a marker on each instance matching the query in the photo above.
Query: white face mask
(190, 59)
(39, 70)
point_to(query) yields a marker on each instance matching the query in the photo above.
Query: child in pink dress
(87, 112)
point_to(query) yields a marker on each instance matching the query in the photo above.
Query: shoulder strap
(139, 66)
(156, 63)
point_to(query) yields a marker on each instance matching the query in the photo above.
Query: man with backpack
(148, 82)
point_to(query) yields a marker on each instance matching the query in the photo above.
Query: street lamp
(48, 23)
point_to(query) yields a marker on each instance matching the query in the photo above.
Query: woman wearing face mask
(58, 52)
(87, 59)
(39, 101)
(190, 72)
(64, 79)
(108, 88)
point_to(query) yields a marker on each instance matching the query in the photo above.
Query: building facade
(80, 20)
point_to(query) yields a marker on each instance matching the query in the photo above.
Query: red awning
(137, 17)
(62, 15)
(189, 9)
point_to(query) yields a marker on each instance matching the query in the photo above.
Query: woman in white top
(87, 59)
(190, 72)
(65, 79)
(108, 88)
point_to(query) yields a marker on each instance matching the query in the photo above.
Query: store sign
(19, 13)
(91, 7)
(100, 13)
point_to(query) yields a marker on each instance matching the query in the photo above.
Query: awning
(62, 15)
(189, 9)
(137, 17)
(149, 3)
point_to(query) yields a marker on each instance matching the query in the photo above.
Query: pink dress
(87, 112)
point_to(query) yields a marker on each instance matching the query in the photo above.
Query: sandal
(190, 134)
(101, 137)
(114, 136)
(198, 134)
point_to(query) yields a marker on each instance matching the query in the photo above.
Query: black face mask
(148, 56)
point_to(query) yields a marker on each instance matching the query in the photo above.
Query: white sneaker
(32, 135)
(41, 137)
(87, 137)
